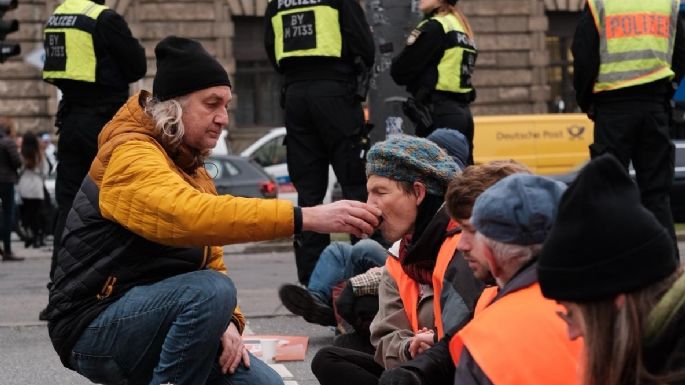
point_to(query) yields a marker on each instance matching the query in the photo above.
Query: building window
(257, 85)
(559, 38)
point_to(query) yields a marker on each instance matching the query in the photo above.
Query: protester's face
(205, 114)
(399, 207)
(573, 318)
(473, 251)
(427, 6)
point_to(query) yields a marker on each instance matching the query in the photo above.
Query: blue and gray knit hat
(407, 158)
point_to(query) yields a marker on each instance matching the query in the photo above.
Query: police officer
(91, 56)
(436, 66)
(320, 46)
(627, 55)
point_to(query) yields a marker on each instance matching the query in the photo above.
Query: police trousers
(79, 127)
(324, 122)
(455, 115)
(639, 131)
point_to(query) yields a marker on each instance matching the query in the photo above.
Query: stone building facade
(512, 76)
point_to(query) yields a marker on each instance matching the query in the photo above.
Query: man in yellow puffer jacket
(140, 291)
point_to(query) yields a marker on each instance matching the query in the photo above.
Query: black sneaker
(303, 303)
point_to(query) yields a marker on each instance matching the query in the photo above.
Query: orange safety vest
(447, 251)
(520, 340)
(409, 289)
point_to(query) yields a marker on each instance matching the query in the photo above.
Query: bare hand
(352, 217)
(421, 342)
(233, 350)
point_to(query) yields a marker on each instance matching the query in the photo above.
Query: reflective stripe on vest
(408, 289)
(445, 255)
(458, 60)
(636, 41)
(306, 31)
(69, 50)
(519, 339)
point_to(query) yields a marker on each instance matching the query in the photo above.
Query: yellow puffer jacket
(148, 193)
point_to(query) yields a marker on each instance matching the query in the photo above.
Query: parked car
(677, 189)
(239, 176)
(269, 152)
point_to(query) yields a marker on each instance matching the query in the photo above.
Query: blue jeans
(340, 261)
(166, 332)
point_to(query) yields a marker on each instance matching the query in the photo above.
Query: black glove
(399, 376)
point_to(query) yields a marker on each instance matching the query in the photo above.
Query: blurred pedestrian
(49, 150)
(10, 162)
(31, 189)
(610, 263)
(140, 280)
(91, 56)
(628, 58)
(515, 336)
(436, 66)
(324, 51)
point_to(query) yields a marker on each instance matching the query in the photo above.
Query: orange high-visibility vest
(409, 289)
(447, 251)
(520, 340)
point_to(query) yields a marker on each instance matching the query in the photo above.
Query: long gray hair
(167, 115)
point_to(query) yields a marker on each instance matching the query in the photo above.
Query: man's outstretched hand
(351, 217)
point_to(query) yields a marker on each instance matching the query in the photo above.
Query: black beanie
(604, 242)
(184, 66)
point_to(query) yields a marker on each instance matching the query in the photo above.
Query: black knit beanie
(184, 66)
(604, 242)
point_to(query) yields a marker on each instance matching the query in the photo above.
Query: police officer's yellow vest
(457, 63)
(306, 28)
(69, 50)
(636, 41)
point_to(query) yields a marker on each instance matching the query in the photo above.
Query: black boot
(9, 257)
(28, 241)
(303, 303)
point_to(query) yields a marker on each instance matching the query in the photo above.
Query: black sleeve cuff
(297, 210)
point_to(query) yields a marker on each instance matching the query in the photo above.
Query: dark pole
(391, 21)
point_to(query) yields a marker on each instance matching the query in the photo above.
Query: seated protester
(515, 336)
(610, 263)
(355, 303)
(140, 290)
(340, 261)
(407, 177)
(435, 365)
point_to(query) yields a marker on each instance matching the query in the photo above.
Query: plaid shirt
(367, 283)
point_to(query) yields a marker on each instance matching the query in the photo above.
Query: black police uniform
(86, 107)
(323, 117)
(633, 123)
(416, 67)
